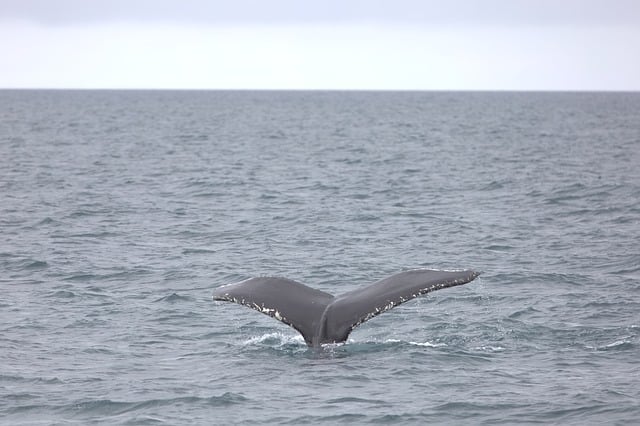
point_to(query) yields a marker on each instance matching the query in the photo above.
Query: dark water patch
(88, 212)
(20, 398)
(202, 194)
(197, 251)
(62, 294)
(98, 351)
(396, 419)
(97, 235)
(360, 196)
(352, 418)
(269, 196)
(174, 298)
(356, 400)
(11, 378)
(277, 136)
(36, 264)
(201, 137)
(177, 317)
(524, 312)
(576, 414)
(87, 323)
(33, 380)
(47, 221)
(559, 278)
(626, 270)
(497, 247)
(176, 275)
(364, 218)
(105, 409)
(179, 212)
(494, 185)
(19, 262)
(115, 276)
(80, 277)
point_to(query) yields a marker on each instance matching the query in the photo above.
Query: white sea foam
(275, 339)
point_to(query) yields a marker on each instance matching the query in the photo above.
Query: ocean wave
(106, 409)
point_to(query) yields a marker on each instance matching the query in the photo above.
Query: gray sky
(348, 44)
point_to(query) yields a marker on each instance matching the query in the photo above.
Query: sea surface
(121, 211)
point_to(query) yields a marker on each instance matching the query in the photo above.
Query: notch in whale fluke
(322, 318)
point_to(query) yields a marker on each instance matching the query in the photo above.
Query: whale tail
(322, 318)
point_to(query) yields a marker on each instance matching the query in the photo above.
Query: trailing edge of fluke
(323, 318)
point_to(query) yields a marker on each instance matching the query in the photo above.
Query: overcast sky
(329, 44)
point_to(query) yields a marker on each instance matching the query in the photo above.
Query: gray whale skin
(323, 318)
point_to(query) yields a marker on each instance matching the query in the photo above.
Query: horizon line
(178, 89)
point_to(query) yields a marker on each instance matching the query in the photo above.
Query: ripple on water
(107, 408)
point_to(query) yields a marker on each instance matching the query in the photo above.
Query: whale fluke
(322, 318)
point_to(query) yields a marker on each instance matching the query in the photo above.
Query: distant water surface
(120, 211)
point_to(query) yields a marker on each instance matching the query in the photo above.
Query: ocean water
(121, 211)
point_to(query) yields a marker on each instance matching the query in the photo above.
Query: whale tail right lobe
(351, 309)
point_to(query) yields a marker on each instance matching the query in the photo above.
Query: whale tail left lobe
(289, 301)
